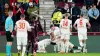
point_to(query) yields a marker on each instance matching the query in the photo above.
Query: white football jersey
(22, 27)
(56, 31)
(81, 25)
(66, 24)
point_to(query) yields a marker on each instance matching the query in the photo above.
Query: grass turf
(57, 54)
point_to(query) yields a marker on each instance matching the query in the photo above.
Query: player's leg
(80, 36)
(24, 43)
(84, 41)
(66, 44)
(55, 48)
(59, 46)
(19, 45)
(9, 43)
(62, 44)
(34, 47)
(72, 47)
(28, 47)
(66, 41)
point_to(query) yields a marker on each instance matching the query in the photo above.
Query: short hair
(93, 5)
(51, 26)
(66, 14)
(10, 12)
(81, 15)
(22, 16)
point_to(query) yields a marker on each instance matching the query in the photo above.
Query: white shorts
(21, 40)
(82, 36)
(65, 36)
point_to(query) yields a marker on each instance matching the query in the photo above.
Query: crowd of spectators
(29, 8)
(89, 8)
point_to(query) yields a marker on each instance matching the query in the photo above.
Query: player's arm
(11, 26)
(15, 28)
(75, 25)
(28, 27)
(89, 25)
(71, 27)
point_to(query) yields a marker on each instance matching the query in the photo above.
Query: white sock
(19, 47)
(55, 48)
(84, 44)
(81, 44)
(62, 47)
(66, 46)
(58, 46)
(24, 49)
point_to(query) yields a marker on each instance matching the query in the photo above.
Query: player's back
(66, 23)
(81, 24)
(22, 27)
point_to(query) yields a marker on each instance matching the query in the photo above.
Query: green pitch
(57, 54)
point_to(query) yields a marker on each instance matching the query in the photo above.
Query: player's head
(81, 16)
(10, 13)
(52, 27)
(22, 16)
(66, 15)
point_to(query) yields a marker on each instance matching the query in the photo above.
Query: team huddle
(59, 36)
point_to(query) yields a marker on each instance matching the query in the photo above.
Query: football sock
(19, 47)
(23, 51)
(62, 47)
(81, 44)
(66, 46)
(8, 49)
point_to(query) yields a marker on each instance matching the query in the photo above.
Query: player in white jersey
(65, 27)
(21, 27)
(43, 44)
(82, 30)
(54, 33)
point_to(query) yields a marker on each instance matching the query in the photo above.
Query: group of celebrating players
(59, 36)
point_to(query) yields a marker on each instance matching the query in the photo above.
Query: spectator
(32, 9)
(19, 10)
(61, 4)
(88, 2)
(6, 10)
(66, 9)
(57, 16)
(75, 12)
(93, 14)
(84, 12)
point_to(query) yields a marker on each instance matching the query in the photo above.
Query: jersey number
(21, 25)
(65, 23)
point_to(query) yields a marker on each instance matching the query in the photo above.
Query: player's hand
(88, 27)
(44, 34)
(12, 35)
(75, 28)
